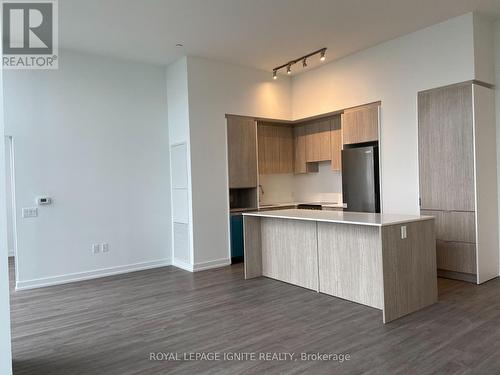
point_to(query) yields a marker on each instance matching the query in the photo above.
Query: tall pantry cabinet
(458, 178)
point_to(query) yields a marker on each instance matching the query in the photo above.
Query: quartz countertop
(286, 204)
(343, 217)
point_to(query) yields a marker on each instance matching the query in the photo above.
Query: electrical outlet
(96, 248)
(105, 247)
(403, 232)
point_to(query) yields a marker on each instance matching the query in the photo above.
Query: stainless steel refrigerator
(360, 178)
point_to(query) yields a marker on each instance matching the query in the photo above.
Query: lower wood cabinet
(455, 240)
(456, 256)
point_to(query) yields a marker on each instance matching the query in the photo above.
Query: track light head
(275, 76)
(323, 53)
(304, 63)
(289, 69)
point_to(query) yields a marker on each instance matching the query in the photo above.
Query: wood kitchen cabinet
(276, 148)
(242, 152)
(318, 146)
(300, 163)
(457, 170)
(360, 124)
(336, 143)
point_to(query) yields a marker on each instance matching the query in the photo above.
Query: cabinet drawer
(456, 256)
(457, 226)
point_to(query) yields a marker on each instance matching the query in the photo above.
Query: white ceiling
(255, 33)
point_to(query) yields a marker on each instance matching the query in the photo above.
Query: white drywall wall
(392, 72)
(8, 197)
(216, 89)
(93, 136)
(5, 346)
(497, 97)
(484, 51)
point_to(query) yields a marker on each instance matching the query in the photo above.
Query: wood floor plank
(110, 325)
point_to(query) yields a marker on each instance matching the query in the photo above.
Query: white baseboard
(211, 264)
(11, 252)
(80, 276)
(202, 265)
(182, 265)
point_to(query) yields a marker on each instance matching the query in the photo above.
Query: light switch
(96, 248)
(30, 212)
(403, 232)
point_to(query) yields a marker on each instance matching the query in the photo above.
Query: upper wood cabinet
(242, 152)
(318, 147)
(446, 149)
(336, 143)
(276, 148)
(360, 124)
(300, 163)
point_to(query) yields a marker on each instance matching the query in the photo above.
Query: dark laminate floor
(110, 325)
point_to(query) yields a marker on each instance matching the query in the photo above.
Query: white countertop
(359, 218)
(285, 204)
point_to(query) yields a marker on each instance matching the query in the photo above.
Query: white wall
(214, 90)
(497, 97)
(5, 345)
(8, 197)
(484, 52)
(93, 136)
(392, 72)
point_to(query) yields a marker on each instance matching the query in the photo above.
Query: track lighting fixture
(323, 57)
(304, 58)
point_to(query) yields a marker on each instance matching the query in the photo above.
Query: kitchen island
(383, 261)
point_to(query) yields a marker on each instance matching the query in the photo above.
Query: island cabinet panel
(318, 146)
(360, 124)
(336, 143)
(300, 162)
(409, 264)
(289, 251)
(242, 152)
(350, 263)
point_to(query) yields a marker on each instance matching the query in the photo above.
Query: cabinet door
(299, 138)
(445, 145)
(236, 236)
(318, 141)
(242, 152)
(285, 146)
(360, 124)
(336, 143)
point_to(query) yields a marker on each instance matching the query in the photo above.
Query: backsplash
(323, 186)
